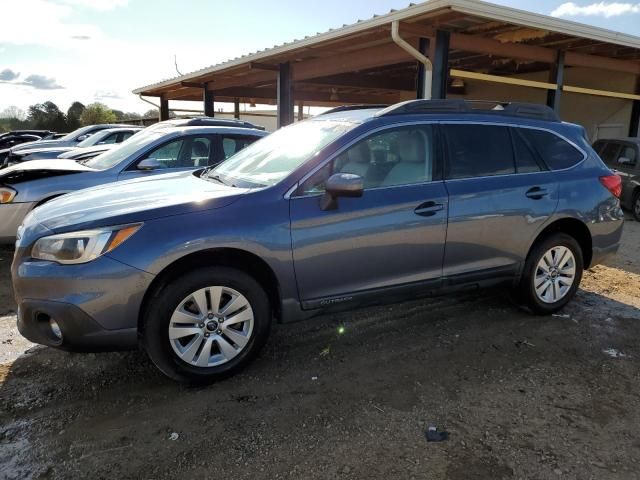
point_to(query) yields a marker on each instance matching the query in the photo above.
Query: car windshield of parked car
(274, 157)
(127, 148)
(93, 139)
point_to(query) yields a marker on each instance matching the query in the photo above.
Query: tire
(221, 351)
(635, 206)
(551, 297)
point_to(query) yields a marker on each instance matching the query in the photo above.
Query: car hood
(40, 144)
(134, 201)
(53, 165)
(42, 149)
(71, 152)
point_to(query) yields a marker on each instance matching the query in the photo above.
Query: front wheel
(552, 274)
(206, 325)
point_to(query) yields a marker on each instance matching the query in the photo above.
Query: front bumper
(96, 304)
(80, 332)
(11, 216)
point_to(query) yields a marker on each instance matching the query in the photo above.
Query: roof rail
(345, 108)
(513, 109)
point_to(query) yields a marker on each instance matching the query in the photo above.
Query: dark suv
(347, 209)
(622, 154)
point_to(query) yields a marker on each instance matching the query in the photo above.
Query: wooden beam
(576, 59)
(601, 93)
(193, 84)
(263, 66)
(506, 80)
(372, 57)
(377, 82)
(489, 46)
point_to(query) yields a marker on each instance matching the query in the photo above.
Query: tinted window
(399, 156)
(526, 161)
(183, 153)
(232, 145)
(126, 135)
(627, 156)
(556, 152)
(112, 138)
(609, 152)
(478, 151)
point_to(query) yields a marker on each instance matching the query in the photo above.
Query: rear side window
(556, 152)
(478, 151)
(526, 158)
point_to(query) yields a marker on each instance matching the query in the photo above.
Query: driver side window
(396, 156)
(183, 153)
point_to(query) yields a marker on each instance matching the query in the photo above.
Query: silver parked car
(160, 150)
(107, 136)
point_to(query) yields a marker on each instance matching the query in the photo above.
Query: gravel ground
(521, 396)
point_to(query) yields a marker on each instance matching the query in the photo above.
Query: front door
(182, 154)
(392, 236)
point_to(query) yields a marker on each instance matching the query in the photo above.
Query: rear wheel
(206, 325)
(552, 273)
(636, 206)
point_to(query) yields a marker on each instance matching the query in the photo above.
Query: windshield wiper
(214, 177)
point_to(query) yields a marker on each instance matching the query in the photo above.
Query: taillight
(613, 183)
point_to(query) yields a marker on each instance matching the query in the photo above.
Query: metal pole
(441, 65)
(556, 75)
(285, 95)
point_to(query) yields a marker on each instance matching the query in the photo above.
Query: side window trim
(293, 193)
(513, 131)
(513, 125)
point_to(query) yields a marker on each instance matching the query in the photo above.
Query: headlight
(7, 194)
(81, 247)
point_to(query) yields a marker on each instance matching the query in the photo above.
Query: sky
(100, 50)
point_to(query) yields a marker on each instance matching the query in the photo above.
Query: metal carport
(471, 49)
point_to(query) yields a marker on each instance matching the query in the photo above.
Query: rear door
(499, 195)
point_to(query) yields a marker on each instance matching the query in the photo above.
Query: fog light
(55, 329)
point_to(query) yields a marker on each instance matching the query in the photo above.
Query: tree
(47, 116)
(73, 115)
(97, 113)
(13, 112)
(154, 112)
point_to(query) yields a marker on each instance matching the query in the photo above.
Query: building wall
(600, 116)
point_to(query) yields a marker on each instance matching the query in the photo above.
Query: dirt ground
(522, 397)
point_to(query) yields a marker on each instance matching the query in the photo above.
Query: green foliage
(97, 113)
(73, 115)
(47, 116)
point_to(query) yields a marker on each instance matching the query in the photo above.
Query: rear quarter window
(555, 151)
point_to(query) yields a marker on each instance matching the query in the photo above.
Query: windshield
(124, 150)
(273, 158)
(93, 139)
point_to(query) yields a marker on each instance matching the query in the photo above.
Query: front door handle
(428, 209)
(536, 193)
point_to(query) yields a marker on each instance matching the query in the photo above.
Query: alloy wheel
(211, 326)
(555, 274)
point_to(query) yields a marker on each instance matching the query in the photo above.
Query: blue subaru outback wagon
(353, 207)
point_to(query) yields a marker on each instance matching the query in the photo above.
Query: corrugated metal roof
(471, 7)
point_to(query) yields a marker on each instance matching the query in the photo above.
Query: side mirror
(341, 185)
(82, 137)
(149, 164)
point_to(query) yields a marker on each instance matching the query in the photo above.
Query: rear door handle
(536, 193)
(428, 209)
